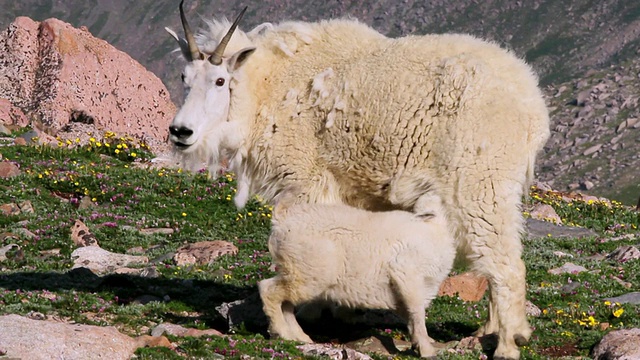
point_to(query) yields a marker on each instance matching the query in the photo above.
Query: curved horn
(216, 57)
(191, 41)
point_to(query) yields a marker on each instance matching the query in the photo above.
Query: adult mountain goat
(339, 113)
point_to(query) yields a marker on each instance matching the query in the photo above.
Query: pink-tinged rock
(20, 141)
(153, 341)
(12, 115)
(204, 252)
(568, 268)
(619, 345)
(8, 169)
(9, 209)
(60, 74)
(23, 338)
(531, 309)
(26, 207)
(545, 212)
(20, 58)
(468, 286)
(81, 236)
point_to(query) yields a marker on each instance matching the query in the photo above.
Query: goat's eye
(220, 82)
(182, 77)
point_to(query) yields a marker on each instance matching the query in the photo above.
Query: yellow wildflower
(618, 312)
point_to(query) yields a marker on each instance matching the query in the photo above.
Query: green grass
(130, 197)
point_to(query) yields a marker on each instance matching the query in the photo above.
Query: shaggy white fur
(381, 260)
(344, 114)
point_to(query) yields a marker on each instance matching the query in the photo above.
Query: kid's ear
(238, 59)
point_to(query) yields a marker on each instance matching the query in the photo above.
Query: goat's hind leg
(273, 297)
(411, 307)
(282, 322)
(296, 331)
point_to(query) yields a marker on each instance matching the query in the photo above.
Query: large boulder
(11, 115)
(23, 338)
(619, 345)
(59, 75)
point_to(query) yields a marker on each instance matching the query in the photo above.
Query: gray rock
(247, 311)
(629, 298)
(24, 233)
(542, 229)
(101, 261)
(150, 272)
(570, 287)
(151, 231)
(332, 352)
(177, 330)
(592, 150)
(624, 254)
(30, 136)
(583, 97)
(5, 249)
(619, 345)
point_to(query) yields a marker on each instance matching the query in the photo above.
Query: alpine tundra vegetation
(339, 113)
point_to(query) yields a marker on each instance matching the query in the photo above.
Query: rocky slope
(596, 133)
(581, 48)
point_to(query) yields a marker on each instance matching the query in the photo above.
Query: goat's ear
(184, 47)
(238, 59)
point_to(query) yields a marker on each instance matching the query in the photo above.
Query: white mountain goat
(380, 260)
(347, 115)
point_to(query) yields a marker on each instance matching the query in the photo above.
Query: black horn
(216, 57)
(191, 41)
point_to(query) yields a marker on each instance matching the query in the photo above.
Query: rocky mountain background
(585, 51)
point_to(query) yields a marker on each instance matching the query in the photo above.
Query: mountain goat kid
(356, 258)
(347, 115)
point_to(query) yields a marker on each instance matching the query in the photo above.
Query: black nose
(180, 132)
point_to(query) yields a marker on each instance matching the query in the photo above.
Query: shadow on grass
(201, 296)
